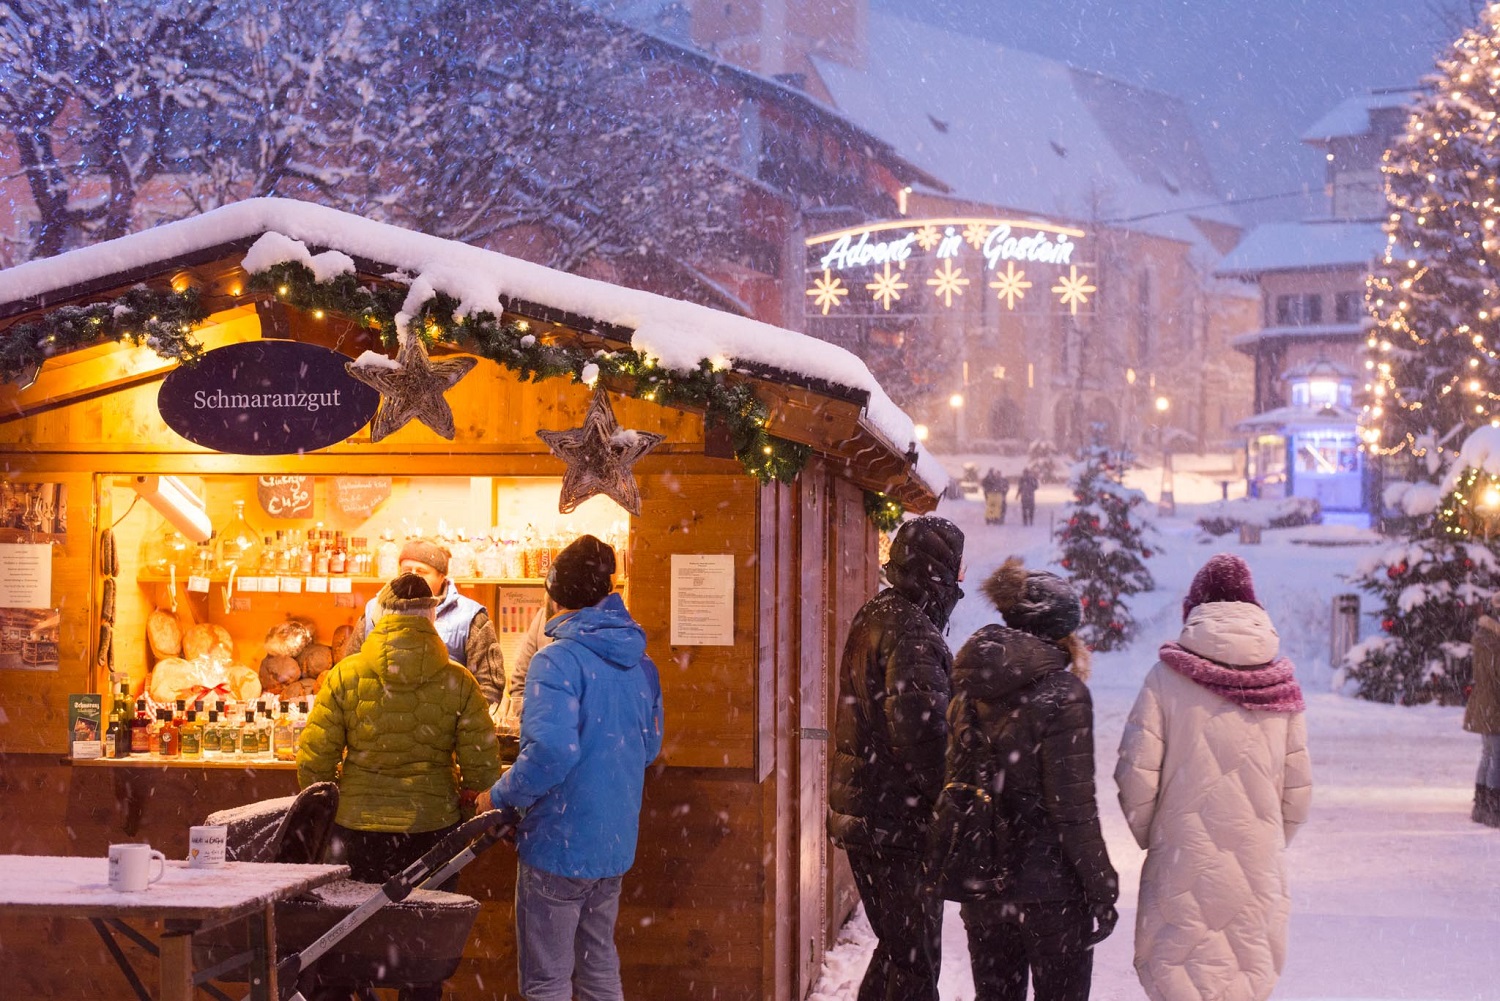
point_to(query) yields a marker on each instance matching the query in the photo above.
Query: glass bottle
(282, 745)
(338, 559)
(323, 556)
(359, 556)
(168, 737)
(388, 558)
(192, 736)
(140, 729)
(268, 555)
(248, 736)
(239, 545)
(212, 737)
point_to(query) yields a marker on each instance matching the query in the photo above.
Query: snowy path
(1396, 894)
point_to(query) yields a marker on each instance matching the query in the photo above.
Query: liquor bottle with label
(116, 738)
(192, 736)
(248, 735)
(168, 736)
(212, 736)
(283, 735)
(338, 558)
(140, 729)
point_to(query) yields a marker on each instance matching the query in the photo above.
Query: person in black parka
(890, 735)
(1040, 893)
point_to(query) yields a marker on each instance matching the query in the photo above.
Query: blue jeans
(565, 936)
(1489, 761)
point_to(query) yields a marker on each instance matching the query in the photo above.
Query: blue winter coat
(592, 723)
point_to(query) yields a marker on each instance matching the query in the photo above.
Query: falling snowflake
(928, 237)
(1074, 290)
(886, 286)
(975, 233)
(1010, 286)
(826, 291)
(946, 282)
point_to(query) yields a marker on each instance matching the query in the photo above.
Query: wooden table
(184, 901)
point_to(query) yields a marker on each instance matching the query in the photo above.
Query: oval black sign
(266, 398)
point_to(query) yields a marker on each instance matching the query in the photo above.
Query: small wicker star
(599, 456)
(412, 388)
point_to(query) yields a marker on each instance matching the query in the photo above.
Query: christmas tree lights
(1435, 294)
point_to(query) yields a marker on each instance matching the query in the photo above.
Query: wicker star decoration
(412, 387)
(600, 456)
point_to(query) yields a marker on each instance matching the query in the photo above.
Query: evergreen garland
(160, 319)
(884, 511)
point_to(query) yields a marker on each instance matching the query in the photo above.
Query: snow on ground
(1396, 893)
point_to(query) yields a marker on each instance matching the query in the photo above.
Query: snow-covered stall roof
(1351, 117)
(1295, 246)
(1299, 418)
(678, 335)
(1021, 131)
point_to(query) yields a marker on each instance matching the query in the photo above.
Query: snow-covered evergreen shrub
(1102, 549)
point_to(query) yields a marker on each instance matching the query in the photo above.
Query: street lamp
(1166, 505)
(956, 401)
(920, 430)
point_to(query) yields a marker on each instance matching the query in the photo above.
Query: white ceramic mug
(130, 867)
(206, 846)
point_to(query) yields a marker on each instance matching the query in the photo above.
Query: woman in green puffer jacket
(387, 726)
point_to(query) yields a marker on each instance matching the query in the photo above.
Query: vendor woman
(463, 623)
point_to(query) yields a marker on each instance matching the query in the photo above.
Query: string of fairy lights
(1432, 352)
(164, 320)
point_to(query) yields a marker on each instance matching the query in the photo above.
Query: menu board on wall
(25, 575)
(359, 496)
(702, 600)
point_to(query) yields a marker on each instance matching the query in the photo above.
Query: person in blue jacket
(592, 722)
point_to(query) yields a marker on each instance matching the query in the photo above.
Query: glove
(1105, 917)
(466, 800)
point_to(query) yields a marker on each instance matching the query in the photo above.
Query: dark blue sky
(1254, 73)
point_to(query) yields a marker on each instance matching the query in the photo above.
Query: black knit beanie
(1033, 601)
(580, 575)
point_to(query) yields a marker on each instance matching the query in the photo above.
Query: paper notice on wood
(26, 575)
(702, 600)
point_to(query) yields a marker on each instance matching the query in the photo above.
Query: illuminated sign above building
(894, 261)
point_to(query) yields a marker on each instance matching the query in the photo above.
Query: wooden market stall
(735, 892)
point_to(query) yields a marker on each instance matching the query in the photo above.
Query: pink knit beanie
(1224, 577)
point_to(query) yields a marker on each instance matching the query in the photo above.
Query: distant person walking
(1026, 488)
(995, 485)
(1215, 780)
(890, 734)
(1017, 837)
(1482, 716)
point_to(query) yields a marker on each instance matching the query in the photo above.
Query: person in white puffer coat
(1215, 779)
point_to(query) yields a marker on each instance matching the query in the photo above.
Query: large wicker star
(411, 387)
(599, 456)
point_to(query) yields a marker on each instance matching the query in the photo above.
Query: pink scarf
(1268, 688)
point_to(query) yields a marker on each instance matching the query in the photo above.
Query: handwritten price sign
(285, 496)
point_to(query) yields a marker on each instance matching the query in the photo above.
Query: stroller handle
(442, 860)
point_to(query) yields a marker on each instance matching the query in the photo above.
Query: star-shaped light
(928, 237)
(1074, 290)
(886, 286)
(827, 291)
(410, 387)
(946, 282)
(1010, 286)
(600, 456)
(975, 233)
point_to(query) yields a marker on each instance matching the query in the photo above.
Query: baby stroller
(344, 939)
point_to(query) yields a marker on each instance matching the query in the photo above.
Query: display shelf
(218, 578)
(156, 761)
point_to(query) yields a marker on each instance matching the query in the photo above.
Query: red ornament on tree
(1387, 624)
(1395, 570)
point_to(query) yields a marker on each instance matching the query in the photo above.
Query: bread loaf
(170, 676)
(244, 684)
(289, 638)
(164, 634)
(315, 659)
(276, 672)
(206, 639)
(342, 636)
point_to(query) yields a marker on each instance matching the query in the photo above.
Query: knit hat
(408, 594)
(580, 575)
(430, 553)
(1224, 577)
(1033, 601)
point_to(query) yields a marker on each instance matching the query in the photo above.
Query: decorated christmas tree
(1434, 344)
(1103, 549)
(1431, 589)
